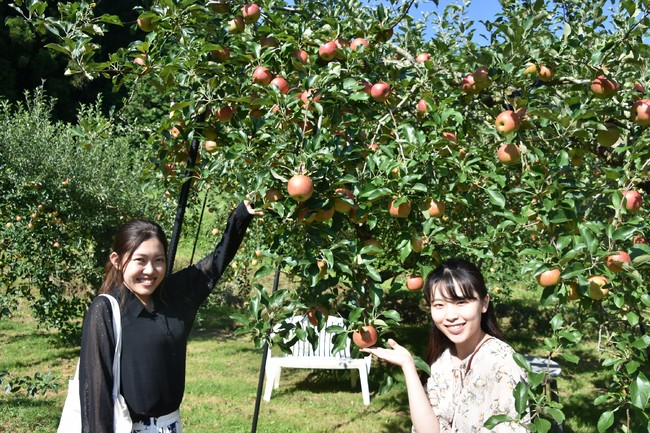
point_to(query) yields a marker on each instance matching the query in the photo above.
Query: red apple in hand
(365, 336)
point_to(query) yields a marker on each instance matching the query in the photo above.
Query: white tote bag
(71, 415)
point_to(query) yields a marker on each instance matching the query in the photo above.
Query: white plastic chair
(304, 356)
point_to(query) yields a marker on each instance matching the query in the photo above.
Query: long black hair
(457, 279)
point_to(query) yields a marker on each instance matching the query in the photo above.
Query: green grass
(223, 372)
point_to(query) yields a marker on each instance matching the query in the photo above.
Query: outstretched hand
(397, 354)
(251, 210)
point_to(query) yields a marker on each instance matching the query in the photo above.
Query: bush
(66, 188)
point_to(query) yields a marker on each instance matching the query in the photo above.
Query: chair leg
(365, 391)
(272, 381)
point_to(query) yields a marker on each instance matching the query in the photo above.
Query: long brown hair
(128, 238)
(453, 274)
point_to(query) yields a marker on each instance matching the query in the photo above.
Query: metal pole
(260, 382)
(180, 209)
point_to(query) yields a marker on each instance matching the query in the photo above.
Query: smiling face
(144, 270)
(458, 317)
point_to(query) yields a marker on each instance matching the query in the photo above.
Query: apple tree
(378, 150)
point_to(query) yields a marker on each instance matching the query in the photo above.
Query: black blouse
(153, 344)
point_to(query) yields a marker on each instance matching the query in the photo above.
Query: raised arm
(422, 416)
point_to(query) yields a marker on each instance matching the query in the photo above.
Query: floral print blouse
(463, 400)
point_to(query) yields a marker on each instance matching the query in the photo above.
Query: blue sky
(478, 10)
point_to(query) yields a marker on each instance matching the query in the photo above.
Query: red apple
(544, 73)
(422, 106)
(312, 314)
(224, 114)
(221, 55)
(414, 282)
(272, 195)
(309, 96)
(507, 122)
(400, 211)
(281, 84)
(250, 12)
(417, 243)
(267, 42)
(450, 136)
(357, 42)
(301, 56)
(633, 200)
(436, 208)
(641, 112)
(380, 91)
(236, 25)
(300, 187)
(549, 278)
(640, 240)
(146, 24)
(614, 261)
(340, 205)
(262, 75)
(481, 76)
(366, 86)
(468, 85)
(423, 57)
(328, 50)
(508, 154)
(602, 87)
(365, 336)
(141, 60)
(211, 145)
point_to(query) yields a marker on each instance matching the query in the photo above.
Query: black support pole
(265, 352)
(180, 209)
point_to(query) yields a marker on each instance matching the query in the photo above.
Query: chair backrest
(325, 345)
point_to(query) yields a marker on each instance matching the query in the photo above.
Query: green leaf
(542, 425)
(640, 391)
(494, 420)
(496, 198)
(606, 420)
(521, 397)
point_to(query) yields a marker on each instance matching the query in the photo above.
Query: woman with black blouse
(156, 319)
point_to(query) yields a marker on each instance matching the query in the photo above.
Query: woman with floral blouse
(473, 372)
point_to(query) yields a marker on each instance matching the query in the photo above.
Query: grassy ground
(223, 372)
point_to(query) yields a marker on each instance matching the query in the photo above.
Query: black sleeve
(96, 368)
(198, 280)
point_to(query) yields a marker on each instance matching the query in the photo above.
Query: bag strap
(117, 330)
